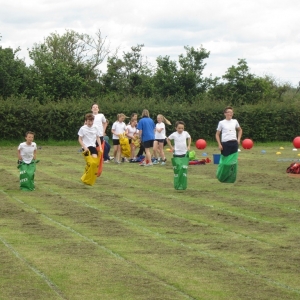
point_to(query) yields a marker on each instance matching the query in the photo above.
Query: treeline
(61, 120)
(67, 66)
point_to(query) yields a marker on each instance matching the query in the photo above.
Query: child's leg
(161, 151)
(155, 148)
(118, 155)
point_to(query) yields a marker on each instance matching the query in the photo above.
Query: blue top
(147, 126)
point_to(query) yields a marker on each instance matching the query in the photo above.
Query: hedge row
(61, 120)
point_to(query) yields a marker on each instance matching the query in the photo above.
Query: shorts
(116, 142)
(229, 147)
(93, 150)
(148, 144)
(160, 140)
(181, 155)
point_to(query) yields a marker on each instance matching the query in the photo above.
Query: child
(132, 134)
(27, 150)
(99, 120)
(182, 140)
(88, 135)
(118, 127)
(160, 136)
(27, 162)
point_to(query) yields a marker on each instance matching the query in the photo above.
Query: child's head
(179, 126)
(133, 122)
(29, 137)
(121, 117)
(161, 118)
(95, 108)
(89, 120)
(134, 116)
(228, 112)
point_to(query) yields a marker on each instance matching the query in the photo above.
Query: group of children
(144, 134)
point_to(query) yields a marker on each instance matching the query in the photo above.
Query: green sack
(227, 168)
(180, 166)
(27, 172)
(192, 155)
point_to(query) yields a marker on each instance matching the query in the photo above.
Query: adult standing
(146, 127)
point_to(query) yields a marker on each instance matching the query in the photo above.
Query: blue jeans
(106, 151)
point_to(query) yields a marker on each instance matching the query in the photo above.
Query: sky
(266, 33)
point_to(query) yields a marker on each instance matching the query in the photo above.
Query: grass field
(132, 236)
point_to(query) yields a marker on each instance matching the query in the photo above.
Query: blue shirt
(147, 126)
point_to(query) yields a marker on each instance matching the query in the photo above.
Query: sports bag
(294, 168)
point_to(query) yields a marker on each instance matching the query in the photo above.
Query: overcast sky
(264, 32)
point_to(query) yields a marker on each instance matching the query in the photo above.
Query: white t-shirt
(89, 135)
(99, 119)
(228, 129)
(160, 135)
(131, 131)
(119, 127)
(180, 145)
(26, 151)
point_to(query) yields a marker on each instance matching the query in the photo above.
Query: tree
(130, 74)
(13, 72)
(67, 65)
(190, 75)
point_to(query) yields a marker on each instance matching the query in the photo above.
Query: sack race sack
(294, 168)
(227, 168)
(100, 156)
(136, 142)
(125, 147)
(180, 167)
(91, 169)
(27, 172)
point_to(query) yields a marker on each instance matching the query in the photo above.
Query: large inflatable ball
(200, 144)
(247, 143)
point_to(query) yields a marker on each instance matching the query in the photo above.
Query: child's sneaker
(149, 165)
(163, 161)
(155, 162)
(143, 163)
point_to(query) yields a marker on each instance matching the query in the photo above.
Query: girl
(132, 135)
(182, 140)
(160, 136)
(119, 127)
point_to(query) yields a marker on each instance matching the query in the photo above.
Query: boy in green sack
(228, 144)
(27, 161)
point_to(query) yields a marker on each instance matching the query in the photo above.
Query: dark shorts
(148, 144)
(116, 142)
(160, 140)
(229, 147)
(93, 150)
(129, 140)
(182, 155)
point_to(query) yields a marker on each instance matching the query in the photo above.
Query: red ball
(296, 142)
(247, 143)
(200, 144)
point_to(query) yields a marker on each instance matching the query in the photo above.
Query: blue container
(216, 158)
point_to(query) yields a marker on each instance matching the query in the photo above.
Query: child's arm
(34, 154)
(82, 143)
(189, 143)
(99, 143)
(19, 155)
